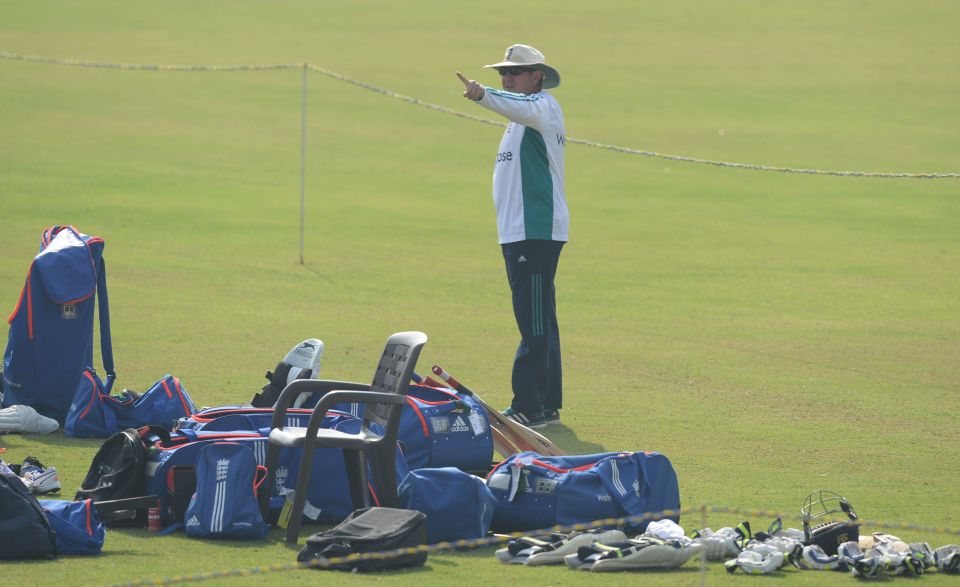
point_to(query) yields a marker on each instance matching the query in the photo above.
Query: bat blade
(502, 443)
(523, 437)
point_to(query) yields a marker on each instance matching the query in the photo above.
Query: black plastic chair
(383, 402)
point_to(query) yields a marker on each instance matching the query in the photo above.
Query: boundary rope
(501, 538)
(445, 110)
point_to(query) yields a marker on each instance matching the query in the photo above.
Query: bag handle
(259, 477)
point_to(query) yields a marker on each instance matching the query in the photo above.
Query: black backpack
(375, 529)
(117, 475)
(24, 529)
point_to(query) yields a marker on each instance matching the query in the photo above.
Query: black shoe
(534, 420)
(551, 417)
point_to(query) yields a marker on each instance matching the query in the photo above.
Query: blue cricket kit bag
(439, 427)
(94, 413)
(537, 492)
(78, 525)
(51, 330)
(225, 503)
(458, 505)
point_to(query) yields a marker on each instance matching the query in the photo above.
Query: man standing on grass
(532, 221)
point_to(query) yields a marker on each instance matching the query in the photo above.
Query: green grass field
(771, 333)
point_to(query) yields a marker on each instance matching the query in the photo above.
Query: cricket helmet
(829, 521)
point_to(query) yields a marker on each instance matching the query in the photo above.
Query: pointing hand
(472, 90)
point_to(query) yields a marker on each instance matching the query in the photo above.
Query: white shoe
(37, 478)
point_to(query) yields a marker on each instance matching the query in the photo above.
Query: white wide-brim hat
(527, 56)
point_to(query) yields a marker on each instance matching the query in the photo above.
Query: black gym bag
(370, 530)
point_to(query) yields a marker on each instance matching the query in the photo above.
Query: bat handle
(439, 372)
(428, 381)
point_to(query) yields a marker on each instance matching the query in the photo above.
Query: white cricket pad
(21, 418)
(554, 552)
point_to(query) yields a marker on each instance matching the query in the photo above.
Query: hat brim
(551, 77)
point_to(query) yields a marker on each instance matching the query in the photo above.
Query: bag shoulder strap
(106, 344)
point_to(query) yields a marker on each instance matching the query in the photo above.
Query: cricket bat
(513, 434)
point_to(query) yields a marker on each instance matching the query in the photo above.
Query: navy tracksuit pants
(537, 370)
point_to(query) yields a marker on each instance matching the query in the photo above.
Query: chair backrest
(394, 371)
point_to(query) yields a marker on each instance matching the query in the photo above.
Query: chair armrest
(335, 397)
(323, 386)
(307, 386)
(341, 396)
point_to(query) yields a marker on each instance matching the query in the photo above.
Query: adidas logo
(459, 425)
(522, 259)
(193, 521)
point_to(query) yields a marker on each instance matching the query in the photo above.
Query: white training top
(528, 191)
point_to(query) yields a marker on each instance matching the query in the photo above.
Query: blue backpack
(51, 330)
(225, 503)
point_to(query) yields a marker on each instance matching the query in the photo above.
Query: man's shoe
(534, 420)
(551, 417)
(37, 478)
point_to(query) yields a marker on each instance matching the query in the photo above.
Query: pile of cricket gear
(664, 546)
(870, 557)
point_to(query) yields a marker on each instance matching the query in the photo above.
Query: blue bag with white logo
(50, 341)
(328, 493)
(537, 492)
(225, 503)
(440, 427)
(458, 505)
(77, 524)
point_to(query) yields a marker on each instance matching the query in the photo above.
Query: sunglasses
(513, 70)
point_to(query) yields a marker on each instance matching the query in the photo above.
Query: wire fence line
(418, 102)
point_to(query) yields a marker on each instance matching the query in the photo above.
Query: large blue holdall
(458, 505)
(538, 492)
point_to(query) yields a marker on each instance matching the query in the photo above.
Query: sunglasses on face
(513, 70)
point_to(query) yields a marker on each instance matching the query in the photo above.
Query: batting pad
(555, 552)
(21, 418)
(518, 550)
(633, 554)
